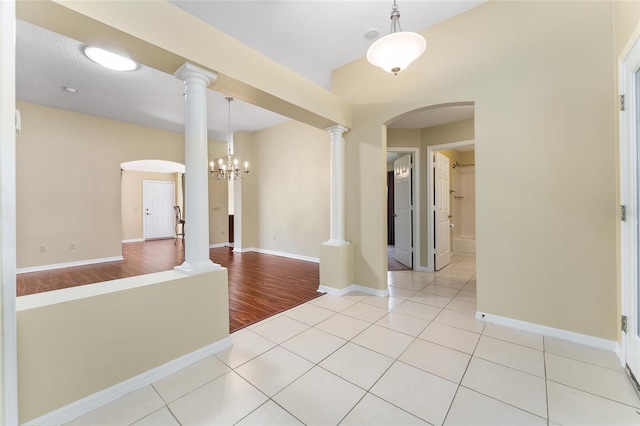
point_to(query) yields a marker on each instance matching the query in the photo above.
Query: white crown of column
(189, 70)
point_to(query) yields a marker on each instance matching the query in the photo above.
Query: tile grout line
(546, 380)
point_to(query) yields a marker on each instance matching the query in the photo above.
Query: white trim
(278, 253)
(103, 397)
(628, 195)
(353, 287)
(417, 213)
(133, 240)
(430, 195)
(218, 245)
(8, 331)
(583, 339)
(289, 255)
(68, 264)
(620, 354)
(243, 250)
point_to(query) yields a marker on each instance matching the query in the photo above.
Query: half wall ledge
(77, 342)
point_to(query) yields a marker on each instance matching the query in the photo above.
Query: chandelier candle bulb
(246, 167)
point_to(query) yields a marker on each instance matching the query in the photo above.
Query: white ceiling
(310, 37)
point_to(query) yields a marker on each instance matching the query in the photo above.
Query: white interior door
(442, 198)
(403, 211)
(630, 184)
(159, 219)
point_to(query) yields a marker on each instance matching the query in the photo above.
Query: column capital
(337, 128)
(189, 70)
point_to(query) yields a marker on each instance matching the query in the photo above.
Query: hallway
(416, 357)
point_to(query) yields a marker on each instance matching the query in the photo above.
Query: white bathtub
(464, 245)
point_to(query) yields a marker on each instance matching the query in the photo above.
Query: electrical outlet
(43, 249)
(72, 246)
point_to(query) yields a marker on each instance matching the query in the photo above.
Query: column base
(197, 268)
(336, 266)
(333, 242)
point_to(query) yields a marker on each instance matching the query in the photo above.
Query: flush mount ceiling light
(395, 51)
(109, 60)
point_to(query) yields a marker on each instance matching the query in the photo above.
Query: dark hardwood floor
(260, 285)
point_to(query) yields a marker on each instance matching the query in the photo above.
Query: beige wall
(404, 138)
(293, 194)
(627, 23)
(541, 77)
(73, 349)
(132, 200)
(246, 194)
(69, 185)
(218, 199)
(447, 133)
(467, 157)
(68, 181)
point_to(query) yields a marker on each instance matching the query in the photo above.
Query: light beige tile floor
(417, 358)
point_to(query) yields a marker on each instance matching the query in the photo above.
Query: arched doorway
(412, 133)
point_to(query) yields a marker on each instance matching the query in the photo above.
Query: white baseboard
(67, 264)
(218, 245)
(278, 253)
(242, 250)
(133, 240)
(288, 255)
(583, 339)
(621, 355)
(98, 399)
(353, 287)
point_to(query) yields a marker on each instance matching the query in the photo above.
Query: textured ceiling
(310, 37)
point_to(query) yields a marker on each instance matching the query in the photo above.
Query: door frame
(628, 196)
(430, 267)
(415, 181)
(8, 322)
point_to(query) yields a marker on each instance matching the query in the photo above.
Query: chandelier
(395, 51)
(229, 169)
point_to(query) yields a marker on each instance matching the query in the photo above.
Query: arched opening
(152, 198)
(409, 137)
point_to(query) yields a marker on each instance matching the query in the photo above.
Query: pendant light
(229, 169)
(395, 51)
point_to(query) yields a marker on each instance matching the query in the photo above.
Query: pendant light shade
(395, 51)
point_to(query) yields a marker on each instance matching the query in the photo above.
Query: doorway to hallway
(451, 195)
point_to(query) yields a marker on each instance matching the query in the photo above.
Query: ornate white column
(337, 215)
(196, 203)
